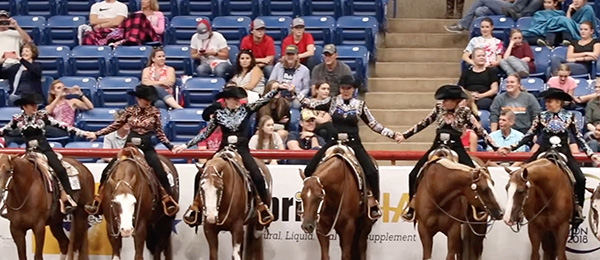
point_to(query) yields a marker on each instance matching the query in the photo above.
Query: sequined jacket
(548, 124)
(346, 113)
(34, 126)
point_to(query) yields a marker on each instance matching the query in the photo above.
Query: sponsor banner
(390, 239)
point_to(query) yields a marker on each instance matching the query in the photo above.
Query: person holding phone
(290, 71)
(211, 50)
(24, 77)
(63, 102)
(12, 37)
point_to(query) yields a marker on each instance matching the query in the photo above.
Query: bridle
(113, 211)
(4, 191)
(321, 202)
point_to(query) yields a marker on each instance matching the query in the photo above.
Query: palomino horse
(332, 200)
(594, 216)
(30, 205)
(134, 207)
(541, 192)
(449, 195)
(228, 205)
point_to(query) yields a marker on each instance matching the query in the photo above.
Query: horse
(134, 207)
(594, 216)
(30, 205)
(332, 199)
(542, 193)
(448, 200)
(227, 205)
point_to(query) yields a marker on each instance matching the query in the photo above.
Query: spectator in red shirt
(304, 41)
(518, 57)
(262, 46)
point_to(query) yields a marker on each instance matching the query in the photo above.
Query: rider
(32, 123)
(346, 111)
(233, 119)
(451, 119)
(556, 121)
(144, 121)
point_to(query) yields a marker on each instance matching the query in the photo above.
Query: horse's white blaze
(494, 193)
(237, 251)
(210, 197)
(512, 189)
(127, 202)
(308, 194)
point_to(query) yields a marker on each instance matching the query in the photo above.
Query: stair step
(399, 100)
(420, 54)
(426, 40)
(418, 69)
(418, 25)
(400, 116)
(426, 135)
(408, 84)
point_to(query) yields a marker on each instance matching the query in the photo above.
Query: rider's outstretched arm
(48, 120)
(160, 134)
(256, 105)
(528, 137)
(377, 127)
(321, 105)
(210, 128)
(116, 124)
(579, 137)
(424, 123)
(12, 124)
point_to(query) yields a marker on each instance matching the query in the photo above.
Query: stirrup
(192, 210)
(269, 217)
(169, 210)
(66, 209)
(94, 208)
(4, 212)
(373, 208)
(409, 211)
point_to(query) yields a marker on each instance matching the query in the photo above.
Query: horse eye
(506, 187)
(521, 190)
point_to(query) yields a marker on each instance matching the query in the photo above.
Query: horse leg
(61, 237)
(363, 238)
(535, 239)
(454, 243)
(324, 243)
(79, 234)
(19, 238)
(426, 240)
(115, 242)
(139, 239)
(346, 239)
(213, 241)
(561, 236)
(237, 239)
(39, 232)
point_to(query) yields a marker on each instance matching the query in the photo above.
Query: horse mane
(128, 152)
(451, 165)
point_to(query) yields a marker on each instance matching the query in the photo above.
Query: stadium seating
(91, 61)
(542, 61)
(88, 85)
(502, 27)
(533, 85)
(112, 91)
(375, 8)
(583, 88)
(524, 23)
(75, 7)
(182, 28)
(356, 57)
(282, 8)
(484, 115)
(33, 25)
(185, 124)
(358, 30)
(233, 28)
(169, 8)
(322, 28)
(95, 119)
(199, 8)
(277, 53)
(580, 119)
(200, 92)
(250, 8)
(278, 27)
(46, 82)
(6, 114)
(53, 59)
(85, 145)
(52, 144)
(562, 51)
(11, 6)
(233, 53)
(44, 8)
(322, 7)
(62, 30)
(178, 57)
(130, 60)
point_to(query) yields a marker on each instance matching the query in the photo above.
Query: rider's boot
(374, 209)
(265, 217)
(194, 218)
(170, 206)
(94, 208)
(409, 216)
(67, 204)
(577, 216)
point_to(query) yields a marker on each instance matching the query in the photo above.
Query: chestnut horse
(228, 206)
(542, 193)
(331, 200)
(135, 206)
(594, 215)
(450, 199)
(30, 205)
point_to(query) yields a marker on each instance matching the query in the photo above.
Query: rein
(519, 224)
(7, 189)
(216, 174)
(321, 202)
(137, 210)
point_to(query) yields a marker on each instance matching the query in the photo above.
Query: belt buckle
(136, 141)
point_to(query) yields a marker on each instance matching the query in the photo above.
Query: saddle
(561, 161)
(346, 153)
(235, 160)
(48, 174)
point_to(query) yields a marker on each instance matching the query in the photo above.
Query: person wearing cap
(290, 71)
(300, 38)
(451, 119)
(144, 121)
(331, 70)
(210, 49)
(556, 121)
(32, 123)
(262, 46)
(306, 139)
(346, 111)
(12, 37)
(234, 120)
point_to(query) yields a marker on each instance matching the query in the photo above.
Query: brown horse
(134, 207)
(227, 206)
(331, 200)
(31, 206)
(594, 216)
(449, 195)
(541, 192)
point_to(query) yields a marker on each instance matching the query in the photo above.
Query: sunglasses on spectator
(299, 27)
(327, 54)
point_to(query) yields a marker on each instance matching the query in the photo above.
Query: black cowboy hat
(450, 92)
(348, 80)
(556, 93)
(210, 110)
(145, 92)
(232, 92)
(27, 99)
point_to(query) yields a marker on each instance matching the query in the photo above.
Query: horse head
(6, 173)
(517, 188)
(594, 217)
(212, 186)
(313, 196)
(123, 199)
(482, 194)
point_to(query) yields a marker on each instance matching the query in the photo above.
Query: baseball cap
(203, 29)
(257, 24)
(308, 114)
(330, 48)
(293, 49)
(297, 22)
(4, 13)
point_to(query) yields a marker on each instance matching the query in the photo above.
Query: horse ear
(590, 190)
(525, 174)
(476, 174)
(302, 174)
(507, 170)
(198, 166)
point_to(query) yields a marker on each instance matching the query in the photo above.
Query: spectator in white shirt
(210, 48)
(12, 37)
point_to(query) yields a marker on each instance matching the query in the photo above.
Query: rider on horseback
(452, 120)
(556, 121)
(144, 120)
(32, 123)
(233, 120)
(345, 112)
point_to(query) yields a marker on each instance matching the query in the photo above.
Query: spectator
(300, 38)
(105, 17)
(324, 126)
(518, 57)
(491, 46)
(581, 53)
(210, 48)
(213, 142)
(306, 139)
(594, 137)
(247, 74)
(262, 46)
(63, 102)
(156, 18)
(563, 80)
(493, 7)
(265, 137)
(523, 104)
(290, 71)
(161, 77)
(480, 81)
(506, 135)
(24, 77)
(592, 109)
(469, 140)
(116, 139)
(331, 70)
(521, 8)
(278, 109)
(12, 37)
(450, 8)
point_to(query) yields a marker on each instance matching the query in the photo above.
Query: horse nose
(211, 219)
(126, 232)
(308, 227)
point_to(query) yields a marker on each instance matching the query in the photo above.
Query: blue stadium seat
(7, 113)
(233, 28)
(323, 7)
(281, 8)
(277, 53)
(46, 82)
(484, 119)
(233, 53)
(87, 85)
(75, 7)
(52, 144)
(169, 8)
(85, 145)
(375, 8)
(4, 87)
(62, 30)
(95, 119)
(112, 91)
(205, 8)
(200, 92)
(541, 57)
(185, 124)
(91, 61)
(44, 8)
(357, 57)
(358, 30)
(322, 28)
(562, 52)
(33, 25)
(502, 27)
(318, 57)
(524, 23)
(295, 120)
(278, 27)
(583, 88)
(250, 8)
(533, 85)
(178, 57)
(130, 60)
(580, 119)
(11, 6)
(53, 59)
(182, 28)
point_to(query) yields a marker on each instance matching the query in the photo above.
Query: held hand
(91, 136)
(596, 159)
(504, 150)
(399, 137)
(179, 148)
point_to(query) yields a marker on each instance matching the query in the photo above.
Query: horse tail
(549, 245)
(151, 239)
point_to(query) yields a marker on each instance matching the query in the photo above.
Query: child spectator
(300, 38)
(213, 142)
(262, 46)
(480, 81)
(161, 77)
(210, 48)
(518, 57)
(492, 46)
(564, 81)
(266, 138)
(247, 74)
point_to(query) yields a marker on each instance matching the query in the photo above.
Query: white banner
(390, 239)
